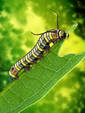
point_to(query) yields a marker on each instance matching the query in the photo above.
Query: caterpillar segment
(46, 38)
(23, 63)
(27, 59)
(19, 64)
(17, 67)
(42, 46)
(50, 35)
(38, 53)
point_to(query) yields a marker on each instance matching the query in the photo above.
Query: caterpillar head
(63, 35)
(59, 35)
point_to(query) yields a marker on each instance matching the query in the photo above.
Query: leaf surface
(37, 82)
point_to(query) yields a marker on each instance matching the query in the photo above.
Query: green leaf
(36, 83)
(74, 26)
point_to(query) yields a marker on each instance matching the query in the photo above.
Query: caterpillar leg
(17, 77)
(27, 68)
(11, 78)
(41, 56)
(35, 62)
(47, 48)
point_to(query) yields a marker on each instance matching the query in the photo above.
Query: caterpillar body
(42, 46)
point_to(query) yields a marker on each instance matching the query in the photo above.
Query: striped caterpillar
(42, 46)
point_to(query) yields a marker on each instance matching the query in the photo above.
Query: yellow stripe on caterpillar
(46, 37)
(40, 48)
(28, 60)
(34, 55)
(17, 67)
(23, 62)
(11, 75)
(50, 36)
(60, 34)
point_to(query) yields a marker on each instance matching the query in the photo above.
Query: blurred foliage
(17, 20)
(80, 15)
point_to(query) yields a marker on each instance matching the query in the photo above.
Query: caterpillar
(43, 45)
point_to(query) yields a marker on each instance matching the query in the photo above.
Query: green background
(17, 19)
